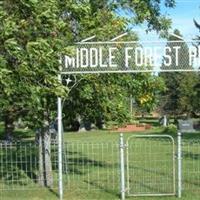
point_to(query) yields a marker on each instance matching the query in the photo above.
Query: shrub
(170, 129)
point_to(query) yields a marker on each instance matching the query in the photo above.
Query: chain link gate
(150, 165)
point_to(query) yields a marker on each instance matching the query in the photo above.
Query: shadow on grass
(105, 189)
(18, 163)
(53, 192)
(151, 171)
(190, 155)
(75, 164)
(151, 189)
(190, 182)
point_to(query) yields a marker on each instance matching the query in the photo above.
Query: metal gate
(150, 161)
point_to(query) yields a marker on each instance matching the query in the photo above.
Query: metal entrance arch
(124, 57)
(150, 165)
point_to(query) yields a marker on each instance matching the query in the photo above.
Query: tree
(196, 102)
(34, 33)
(105, 97)
(179, 93)
(86, 100)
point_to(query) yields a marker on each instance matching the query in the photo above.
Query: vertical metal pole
(122, 167)
(60, 145)
(179, 166)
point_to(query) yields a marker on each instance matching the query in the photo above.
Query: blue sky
(182, 18)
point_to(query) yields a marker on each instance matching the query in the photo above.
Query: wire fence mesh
(191, 165)
(95, 166)
(150, 166)
(92, 166)
(19, 166)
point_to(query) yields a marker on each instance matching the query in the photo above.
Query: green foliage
(148, 11)
(171, 129)
(34, 33)
(31, 39)
(196, 102)
(180, 86)
(105, 97)
(99, 97)
(146, 89)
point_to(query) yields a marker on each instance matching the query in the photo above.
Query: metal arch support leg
(179, 157)
(122, 167)
(59, 118)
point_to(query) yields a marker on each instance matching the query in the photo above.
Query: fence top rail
(139, 41)
(128, 71)
(22, 142)
(90, 143)
(151, 136)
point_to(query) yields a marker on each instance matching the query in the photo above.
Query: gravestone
(186, 125)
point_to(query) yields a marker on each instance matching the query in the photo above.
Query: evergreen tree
(178, 98)
(196, 102)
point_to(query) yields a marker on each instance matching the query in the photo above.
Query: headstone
(164, 120)
(186, 125)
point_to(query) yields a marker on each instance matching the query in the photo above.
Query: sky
(182, 18)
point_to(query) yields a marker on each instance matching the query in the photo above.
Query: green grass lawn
(158, 173)
(93, 168)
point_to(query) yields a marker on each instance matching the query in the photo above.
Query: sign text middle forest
(132, 57)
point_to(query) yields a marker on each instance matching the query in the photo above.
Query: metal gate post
(179, 157)
(60, 177)
(122, 167)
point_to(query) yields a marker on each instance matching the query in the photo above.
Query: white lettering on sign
(93, 57)
(127, 56)
(132, 57)
(194, 56)
(177, 48)
(69, 62)
(167, 57)
(112, 57)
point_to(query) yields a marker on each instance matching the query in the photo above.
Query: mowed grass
(147, 173)
(92, 170)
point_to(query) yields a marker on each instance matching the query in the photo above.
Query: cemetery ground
(103, 164)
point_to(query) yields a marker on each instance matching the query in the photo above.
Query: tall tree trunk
(47, 159)
(9, 125)
(41, 161)
(45, 165)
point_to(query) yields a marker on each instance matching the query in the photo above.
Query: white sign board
(116, 57)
